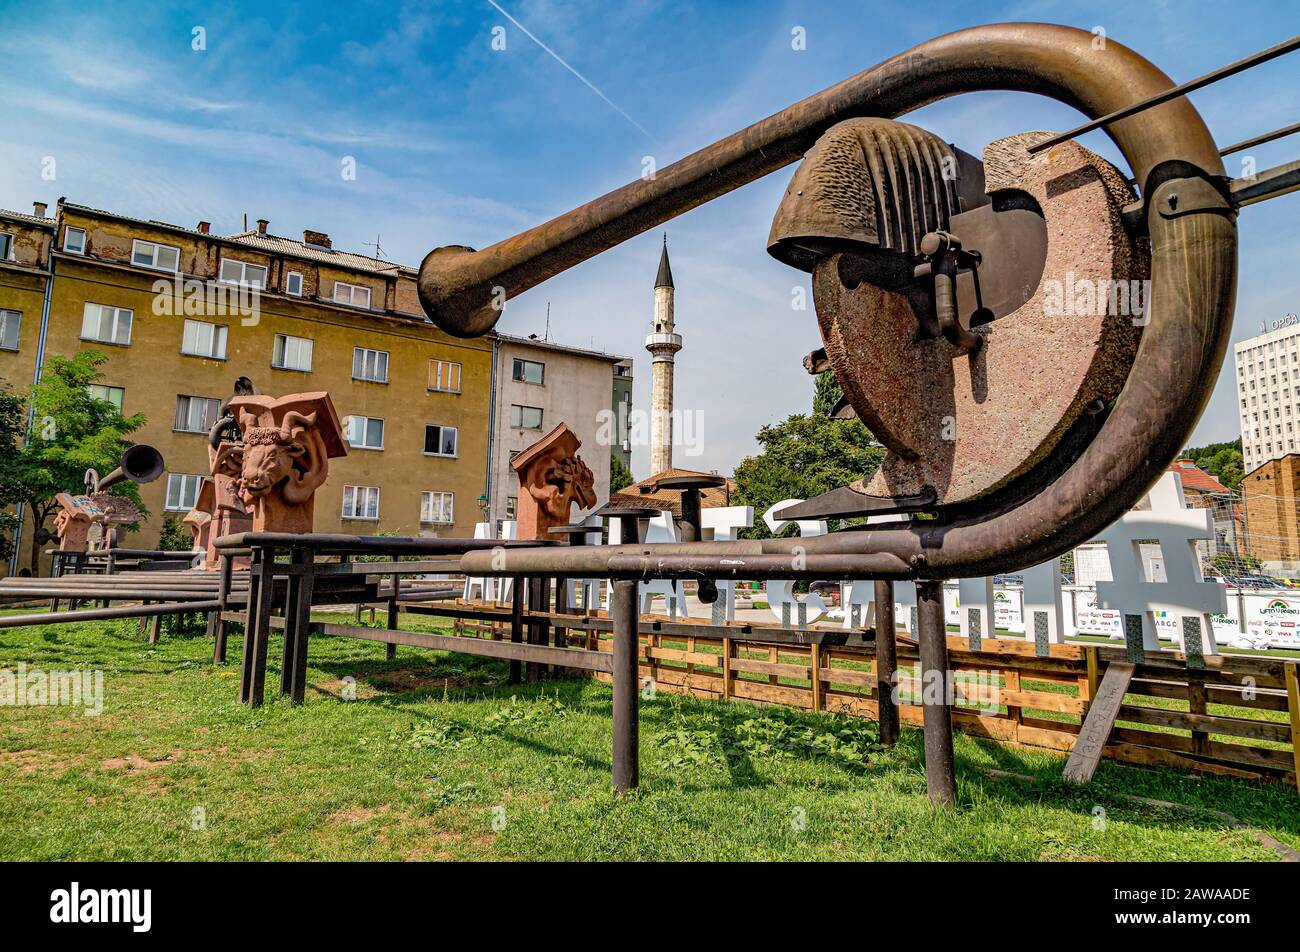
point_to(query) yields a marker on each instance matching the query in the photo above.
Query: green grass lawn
(438, 758)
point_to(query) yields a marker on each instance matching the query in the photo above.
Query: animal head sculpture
(288, 443)
(554, 479)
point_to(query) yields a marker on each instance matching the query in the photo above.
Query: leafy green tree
(620, 476)
(175, 536)
(805, 456)
(13, 423)
(71, 432)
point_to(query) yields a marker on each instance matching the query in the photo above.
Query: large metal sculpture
(933, 275)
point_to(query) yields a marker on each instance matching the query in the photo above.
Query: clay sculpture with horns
(288, 443)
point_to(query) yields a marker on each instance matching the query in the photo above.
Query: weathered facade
(25, 245)
(1272, 500)
(181, 313)
(540, 384)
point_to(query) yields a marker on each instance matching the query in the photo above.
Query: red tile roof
(1195, 479)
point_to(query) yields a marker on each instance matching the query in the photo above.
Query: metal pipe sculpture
(927, 271)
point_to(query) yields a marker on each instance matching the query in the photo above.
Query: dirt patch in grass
(33, 761)
(134, 763)
(356, 814)
(406, 679)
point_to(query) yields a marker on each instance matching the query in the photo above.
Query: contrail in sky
(556, 56)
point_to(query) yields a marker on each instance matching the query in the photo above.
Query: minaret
(663, 344)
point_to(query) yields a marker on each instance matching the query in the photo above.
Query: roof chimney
(261, 226)
(38, 209)
(318, 238)
(205, 227)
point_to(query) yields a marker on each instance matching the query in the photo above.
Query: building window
(370, 365)
(512, 506)
(149, 254)
(365, 433)
(439, 440)
(10, 323)
(183, 491)
(437, 508)
(241, 272)
(113, 395)
(6, 247)
(444, 376)
(74, 240)
(291, 353)
(201, 339)
(195, 414)
(528, 418)
(360, 502)
(106, 324)
(352, 294)
(293, 284)
(529, 371)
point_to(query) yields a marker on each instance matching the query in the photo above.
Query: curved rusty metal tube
(1193, 265)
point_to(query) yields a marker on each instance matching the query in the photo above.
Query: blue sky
(458, 143)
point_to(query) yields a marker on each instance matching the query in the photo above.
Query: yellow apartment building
(181, 312)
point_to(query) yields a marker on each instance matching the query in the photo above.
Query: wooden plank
(1086, 754)
(816, 671)
(511, 651)
(1206, 724)
(1293, 701)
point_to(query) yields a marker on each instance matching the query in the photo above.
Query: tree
(805, 456)
(620, 476)
(175, 536)
(1223, 461)
(71, 432)
(13, 423)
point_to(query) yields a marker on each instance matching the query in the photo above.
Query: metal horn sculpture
(896, 258)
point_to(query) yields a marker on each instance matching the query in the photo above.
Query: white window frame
(211, 407)
(280, 352)
(441, 430)
(517, 419)
(370, 356)
(437, 508)
(244, 268)
(363, 494)
(353, 292)
(450, 369)
(139, 244)
(519, 371)
(67, 234)
(288, 283)
(115, 315)
(10, 318)
(359, 429)
(180, 485)
(106, 394)
(216, 339)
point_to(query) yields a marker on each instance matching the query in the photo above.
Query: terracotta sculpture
(287, 445)
(200, 519)
(552, 477)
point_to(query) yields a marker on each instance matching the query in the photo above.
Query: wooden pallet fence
(1238, 716)
(1173, 716)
